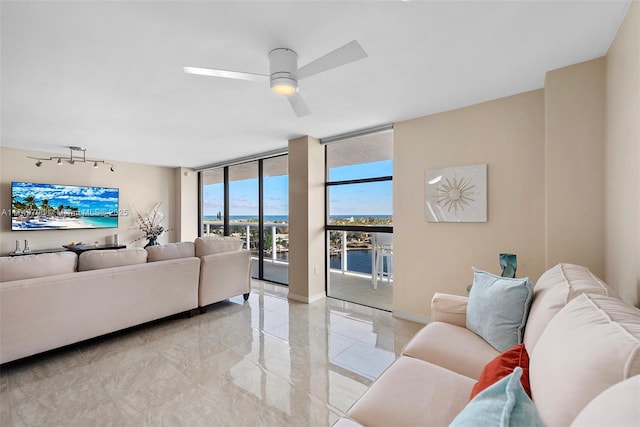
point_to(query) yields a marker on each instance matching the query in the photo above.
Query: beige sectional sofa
(225, 270)
(584, 349)
(56, 299)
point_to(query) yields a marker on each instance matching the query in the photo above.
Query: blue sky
(86, 199)
(354, 199)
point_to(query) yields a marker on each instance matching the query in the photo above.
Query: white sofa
(42, 313)
(225, 269)
(584, 349)
(56, 299)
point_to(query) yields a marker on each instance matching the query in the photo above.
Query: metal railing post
(273, 242)
(344, 251)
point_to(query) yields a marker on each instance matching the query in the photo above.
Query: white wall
(140, 187)
(622, 164)
(186, 205)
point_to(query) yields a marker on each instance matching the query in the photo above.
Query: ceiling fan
(284, 72)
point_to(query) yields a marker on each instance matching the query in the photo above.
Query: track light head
(59, 162)
(39, 163)
(95, 165)
(113, 169)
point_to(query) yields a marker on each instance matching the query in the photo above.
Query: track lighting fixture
(76, 155)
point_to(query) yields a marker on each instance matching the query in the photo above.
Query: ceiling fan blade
(298, 105)
(226, 74)
(350, 52)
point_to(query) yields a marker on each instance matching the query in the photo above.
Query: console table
(84, 248)
(77, 249)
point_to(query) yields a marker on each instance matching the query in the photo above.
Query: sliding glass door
(251, 201)
(359, 226)
(275, 203)
(213, 202)
(243, 208)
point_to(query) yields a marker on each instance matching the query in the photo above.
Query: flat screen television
(62, 207)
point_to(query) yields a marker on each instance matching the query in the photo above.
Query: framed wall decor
(456, 194)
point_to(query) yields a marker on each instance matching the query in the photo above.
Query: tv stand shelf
(77, 249)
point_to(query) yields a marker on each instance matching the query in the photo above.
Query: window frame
(226, 218)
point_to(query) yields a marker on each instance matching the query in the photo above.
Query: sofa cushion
(504, 404)
(170, 251)
(555, 288)
(41, 265)
(411, 392)
(590, 345)
(452, 347)
(502, 366)
(217, 244)
(616, 406)
(95, 260)
(498, 307)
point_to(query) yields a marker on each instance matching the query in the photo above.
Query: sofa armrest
(449, 308)
(224, 275)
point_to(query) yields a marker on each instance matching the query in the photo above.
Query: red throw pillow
(503, 365)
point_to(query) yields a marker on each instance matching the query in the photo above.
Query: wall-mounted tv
(62, 207)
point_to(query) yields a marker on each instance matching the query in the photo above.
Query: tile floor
(350, 286)
(358, 288)
(269, 362)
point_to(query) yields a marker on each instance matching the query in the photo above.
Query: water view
(358, 244)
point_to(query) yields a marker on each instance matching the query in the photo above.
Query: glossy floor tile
(268, 361)
(347, 286)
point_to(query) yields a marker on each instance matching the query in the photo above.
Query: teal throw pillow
(498, 308)
(504, 404)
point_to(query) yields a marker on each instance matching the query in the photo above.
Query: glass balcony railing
(357, 270)
(276, 239)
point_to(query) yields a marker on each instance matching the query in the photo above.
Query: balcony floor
(352, 287)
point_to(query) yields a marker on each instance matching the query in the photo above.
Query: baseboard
(307, 300)
(410, 316)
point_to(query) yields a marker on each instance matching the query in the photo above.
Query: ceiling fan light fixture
(283, 65)
(284, 87)
(284, 72)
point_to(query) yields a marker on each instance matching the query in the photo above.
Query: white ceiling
(107, 75)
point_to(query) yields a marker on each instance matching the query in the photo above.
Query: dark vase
(153, 241)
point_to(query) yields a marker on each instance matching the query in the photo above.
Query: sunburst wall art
(456, 194)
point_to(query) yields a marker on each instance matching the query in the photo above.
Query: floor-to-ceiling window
(250, 200)
(243, 207)
(360, 219)
(275, 206)
(213, 201)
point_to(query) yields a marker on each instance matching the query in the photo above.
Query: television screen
(62, 207)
